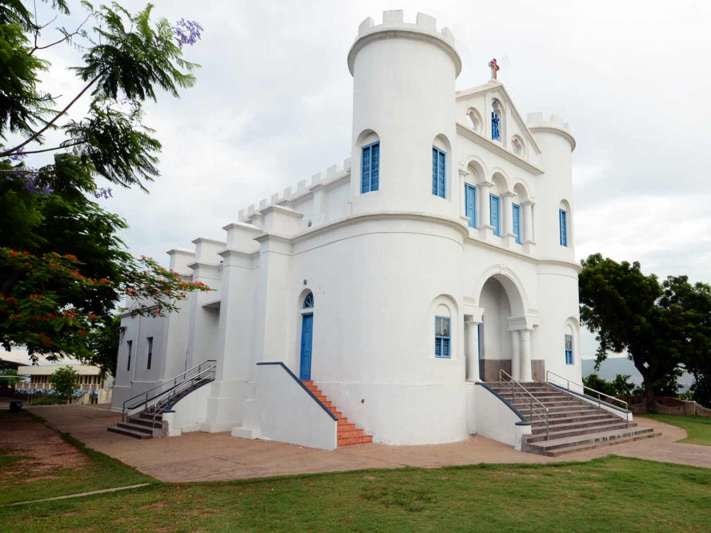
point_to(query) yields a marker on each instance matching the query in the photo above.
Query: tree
(8, 377)
(63, 268)
(64, 380)
(624, 308)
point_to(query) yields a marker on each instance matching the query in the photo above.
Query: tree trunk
(649, 397)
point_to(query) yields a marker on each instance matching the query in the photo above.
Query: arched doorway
(499, 333)
(307, 332)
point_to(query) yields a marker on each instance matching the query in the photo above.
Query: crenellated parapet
(424, 27)
(293, 194)
(552, 124)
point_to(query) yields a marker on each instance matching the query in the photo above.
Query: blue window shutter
(470, 204)
(494, 214)
(563, 219)
(434, 170)
(438, 172)
(568, 349)
(442, 337)
(517, 222)
(365, 170)
(375, 167)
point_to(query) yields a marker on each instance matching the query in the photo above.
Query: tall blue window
(495, 213)
(369, 169)
(568, 349)
(442, 337)
(470, 204)
(516, 213)
(563, 226)
(438, 173)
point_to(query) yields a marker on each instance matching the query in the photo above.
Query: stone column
(484, 213)
(527, 221)
(516, 355)
(507, 217)
(472, 350)
(526, 374)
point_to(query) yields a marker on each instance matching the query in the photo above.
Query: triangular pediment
(496, 89)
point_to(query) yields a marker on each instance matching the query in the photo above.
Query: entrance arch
(502, 335)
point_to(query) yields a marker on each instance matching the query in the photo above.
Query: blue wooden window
(470, 204)
(130, 349)
(495, 126)
(442, 337)
(438, 173)
(370, 168)
(516, 213)
(495, 213)
(563, 226)
(568, 349)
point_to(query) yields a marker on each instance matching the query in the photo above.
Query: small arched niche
(475, 121)
(518, 146)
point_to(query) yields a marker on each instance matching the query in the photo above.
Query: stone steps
(573, 423)
(347, 433)
(560, 446)
(129, 432)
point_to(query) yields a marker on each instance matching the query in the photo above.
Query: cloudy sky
(272, 106)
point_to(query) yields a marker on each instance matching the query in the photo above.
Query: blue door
(307, 331)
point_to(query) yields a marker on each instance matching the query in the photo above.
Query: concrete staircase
(347, 432)
(573, 424)
(139, 426)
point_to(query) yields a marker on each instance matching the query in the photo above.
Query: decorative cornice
(497, 149)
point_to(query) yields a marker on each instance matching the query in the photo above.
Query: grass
(610, 494)
(19, 480)
(698, 428)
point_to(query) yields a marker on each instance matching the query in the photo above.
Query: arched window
(564, 223)
(497, 115)
(308, 301)
(440, 147)
(569, 346)
(442, 333)
(369, 161)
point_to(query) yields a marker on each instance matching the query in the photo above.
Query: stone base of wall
(489, 368)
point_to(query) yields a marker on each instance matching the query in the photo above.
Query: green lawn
(697, 427)
(20, 478)
(611, 494)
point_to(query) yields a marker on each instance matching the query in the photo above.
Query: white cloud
(273, 105)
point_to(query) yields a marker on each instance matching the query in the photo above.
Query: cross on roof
(494, 66)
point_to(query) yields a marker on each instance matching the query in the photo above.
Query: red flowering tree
(63, 268)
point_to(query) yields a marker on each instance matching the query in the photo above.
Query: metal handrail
(148, 396)
(158, 407)
(585, 387)
(531, 398)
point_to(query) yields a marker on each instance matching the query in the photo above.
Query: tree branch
(49, 124)
(66, 37)
(69, 145)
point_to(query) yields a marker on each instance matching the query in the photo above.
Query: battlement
(394, 21)
(552, 123)
(304, 187)
(538, 120)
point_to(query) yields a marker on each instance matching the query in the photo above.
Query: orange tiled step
(347, 433)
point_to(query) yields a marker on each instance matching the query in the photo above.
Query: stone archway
(503, 334)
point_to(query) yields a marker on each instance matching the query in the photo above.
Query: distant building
(92, 387)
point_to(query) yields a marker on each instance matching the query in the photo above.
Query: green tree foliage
(64, 381)
(620, 387)
(63, 268)
(664, 327)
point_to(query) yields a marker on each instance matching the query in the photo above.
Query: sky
(273, 101)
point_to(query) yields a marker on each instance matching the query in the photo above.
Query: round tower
(554, 208)
(403, 100)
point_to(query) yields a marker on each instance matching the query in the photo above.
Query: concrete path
(218, 456)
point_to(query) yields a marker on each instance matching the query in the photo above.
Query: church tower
(403, 107)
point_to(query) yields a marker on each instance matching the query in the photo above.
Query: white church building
(377, 299)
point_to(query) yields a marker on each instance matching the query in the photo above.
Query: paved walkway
(218, 456)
